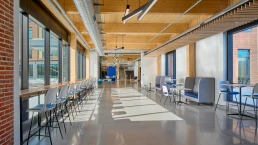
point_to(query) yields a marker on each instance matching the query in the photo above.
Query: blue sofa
(157, 83)
(202, 89)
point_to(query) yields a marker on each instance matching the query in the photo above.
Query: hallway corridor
(124, 116)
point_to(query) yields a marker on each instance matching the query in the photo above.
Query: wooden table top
(27, 93)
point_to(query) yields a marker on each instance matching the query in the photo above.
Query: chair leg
(30, 128)
(244, 105)
(68, 113)
(161, 97)
(74, 106)
(166, 100)
(237, 105)
(47, 126)
(244, 108)
(227, 105)
(217, 102)
(256, 113)
(62, 115)
(39, 124)
(58, 122)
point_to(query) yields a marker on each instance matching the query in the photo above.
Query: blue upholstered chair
(227, 90)
(254, 97)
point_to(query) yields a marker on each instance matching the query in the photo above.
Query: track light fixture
(126, 12)
(146, 9)
(142, 11)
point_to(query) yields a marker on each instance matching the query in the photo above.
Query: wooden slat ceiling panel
(150, 18)
(233, 19)
(167, 6)
(137, 33)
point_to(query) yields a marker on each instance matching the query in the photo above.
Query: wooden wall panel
(73, 47)
(190, 60)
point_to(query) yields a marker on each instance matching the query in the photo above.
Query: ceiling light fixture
(143, 10)
(133, 13)
(126, 12)
(146, 9)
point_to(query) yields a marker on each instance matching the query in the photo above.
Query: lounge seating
(157, 83)
(162, 81)
(203, 89)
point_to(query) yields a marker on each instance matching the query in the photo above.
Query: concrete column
(87, 63)
(73, 47)
(94, 64)
(190, 60)
(159, 65)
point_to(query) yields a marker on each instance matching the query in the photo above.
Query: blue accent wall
(111, 71)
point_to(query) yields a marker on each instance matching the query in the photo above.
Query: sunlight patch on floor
(137, 107)
(88, 111)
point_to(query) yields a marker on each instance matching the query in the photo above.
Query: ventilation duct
(86, 11)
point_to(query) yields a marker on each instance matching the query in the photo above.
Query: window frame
(229, 42)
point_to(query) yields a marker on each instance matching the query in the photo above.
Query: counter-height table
(34, 92)
(180, 89)
(240, 86)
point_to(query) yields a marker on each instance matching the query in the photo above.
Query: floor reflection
(138, 107)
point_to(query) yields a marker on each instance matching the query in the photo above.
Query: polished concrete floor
(140, 119)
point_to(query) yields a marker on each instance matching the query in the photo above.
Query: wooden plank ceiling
(235, 18)
(136, 33)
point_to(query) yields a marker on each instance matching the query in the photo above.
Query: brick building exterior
(246, 40)
(6, 72)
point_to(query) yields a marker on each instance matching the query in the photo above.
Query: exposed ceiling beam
(111, 39)
(129, 46)
(168, 6)
(162, 6)
(139, 28)
(123, 51)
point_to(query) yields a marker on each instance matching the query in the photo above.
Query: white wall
(210, 58)
(181, 64)
(148, 70)
(136, 68)
(163, 65)
(94, 64)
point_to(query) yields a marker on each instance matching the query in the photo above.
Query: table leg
(240, 114)
(180, 102)
(240, 101)
(150, 89)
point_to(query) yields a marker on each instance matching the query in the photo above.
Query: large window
(41, 70)
(80, 65)
(53, 59)
(36, 53)
(243, 57)
(30, 32)
(39, 63)
(30, 70)
(244, 66)
(53, 71)
(171, 64)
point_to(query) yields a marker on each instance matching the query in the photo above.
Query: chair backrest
(63, 92)
(50, 97)
(165, 90)
(255, 90)
(223, 86)
(78, 85)
(71, 89)
(83, 83)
